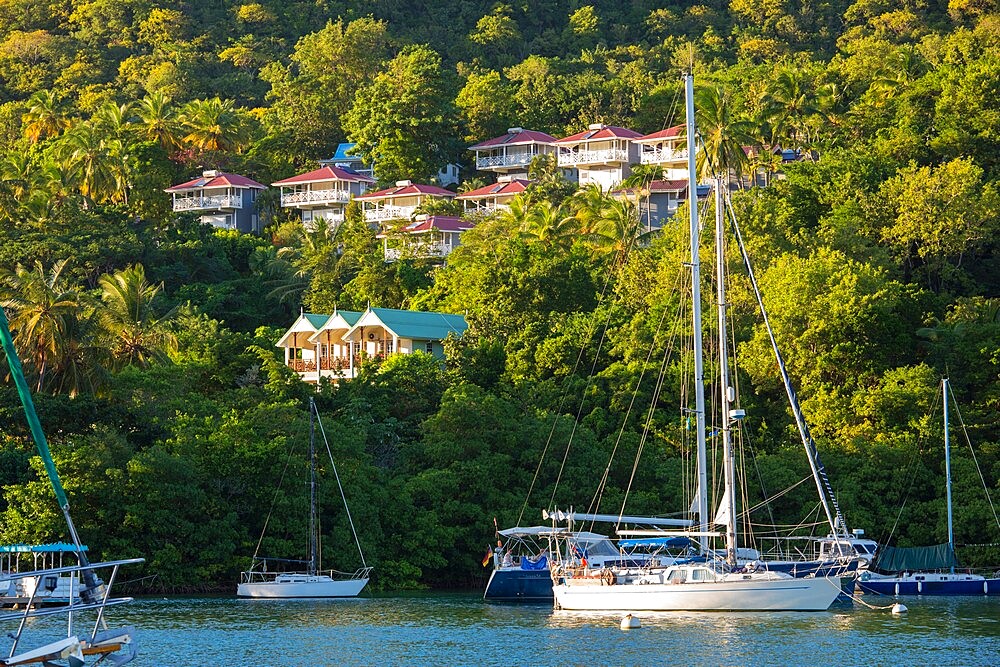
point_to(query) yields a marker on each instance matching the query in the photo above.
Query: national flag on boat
(487, 557)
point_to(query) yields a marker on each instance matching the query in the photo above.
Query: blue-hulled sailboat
(932, 570)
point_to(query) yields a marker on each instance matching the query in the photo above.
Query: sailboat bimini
(711, 583)
(259, 582)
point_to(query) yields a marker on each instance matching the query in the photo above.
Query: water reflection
(435, 629)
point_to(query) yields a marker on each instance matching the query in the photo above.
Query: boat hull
(750, 595)
(516, 585)
(321, 587)
(931, 584)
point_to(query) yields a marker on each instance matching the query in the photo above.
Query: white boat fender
(899, 608)
(630, 622)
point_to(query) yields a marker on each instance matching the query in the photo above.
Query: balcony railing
(211, 203)
(302, 365)
(484, 206)
(389, 213)
(493, 161)
(315, 197)
(661, 155)
(429, 250)
(573, 158)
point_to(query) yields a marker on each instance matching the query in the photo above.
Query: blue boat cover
(58, 547)
(541, 564)
(914, 559)
(668, 542)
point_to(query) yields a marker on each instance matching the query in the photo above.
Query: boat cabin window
(677, 576)
(702, 574)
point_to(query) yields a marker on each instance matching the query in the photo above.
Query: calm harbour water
(450, 629)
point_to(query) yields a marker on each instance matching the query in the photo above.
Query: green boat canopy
(914, 559)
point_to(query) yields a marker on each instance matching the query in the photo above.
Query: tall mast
(947, 470)
(699, 370)
(312, 487)
(92, 583)
(728, 462)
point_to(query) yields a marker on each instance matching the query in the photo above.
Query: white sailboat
(259, 582)
(713, 585)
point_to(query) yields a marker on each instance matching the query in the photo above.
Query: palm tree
(114, 120)
(213, 125)
(617, 230)
(135, 335)
(98, 164)
(550, 225)
(587, 204)
(157, 121)
(41, 309)
(722, 134)
(45, 118)
(789, 105)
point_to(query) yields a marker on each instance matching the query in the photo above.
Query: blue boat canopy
(668, 542)
(54, 548)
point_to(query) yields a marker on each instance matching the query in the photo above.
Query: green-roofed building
(333, 346)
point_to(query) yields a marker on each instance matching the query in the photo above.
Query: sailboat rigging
(259, 582)
(115, 646)
(705, 583)
(927, 570)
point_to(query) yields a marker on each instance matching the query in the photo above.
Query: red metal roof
(516, 138)
(606, 132)
(679, 185)
(220, 181)
(513, 187)
(407, 190)
(444, 223)
(669, 133)
(668, 186)
(326, 173)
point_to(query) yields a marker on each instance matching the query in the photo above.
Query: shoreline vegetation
(149, 339)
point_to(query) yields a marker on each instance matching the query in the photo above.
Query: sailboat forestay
(927, 570)
(259, 582)
(708, 584)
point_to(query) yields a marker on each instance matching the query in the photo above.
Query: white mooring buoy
(630, 622)
(899, 608)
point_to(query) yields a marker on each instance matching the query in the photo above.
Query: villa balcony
(424, 251)
(494, 161)
(318, 197)
(605, 156)
(212, 203)
(662, 155)
(485, 206)
(384, 213)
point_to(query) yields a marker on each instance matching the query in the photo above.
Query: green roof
(316, 320)
(349, 316)
(421, 325)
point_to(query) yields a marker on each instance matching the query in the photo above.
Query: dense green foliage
(150, 338)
